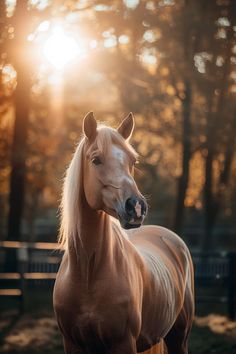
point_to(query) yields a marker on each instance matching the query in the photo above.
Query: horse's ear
(90, 126)
(127, 126)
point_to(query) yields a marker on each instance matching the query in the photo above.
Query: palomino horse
(117, 291)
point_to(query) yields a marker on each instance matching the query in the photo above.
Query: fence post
(23, 259)
(231, 285)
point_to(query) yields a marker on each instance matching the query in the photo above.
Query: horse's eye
(96, 161)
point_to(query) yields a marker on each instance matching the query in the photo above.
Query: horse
(122, 287)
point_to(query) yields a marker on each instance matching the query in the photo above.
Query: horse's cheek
(93, 194)
(109, 199)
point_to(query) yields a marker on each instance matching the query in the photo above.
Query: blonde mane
(70, 203)
(71, 195)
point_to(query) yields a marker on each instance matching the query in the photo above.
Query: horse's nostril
(135, 207)
(129, 206)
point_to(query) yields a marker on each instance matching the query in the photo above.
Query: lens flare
(60, 48)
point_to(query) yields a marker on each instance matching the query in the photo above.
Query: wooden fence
(215, 278)
(37, 265)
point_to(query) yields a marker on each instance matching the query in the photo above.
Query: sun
(60, 48)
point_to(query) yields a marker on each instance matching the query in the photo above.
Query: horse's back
(160, 243)
(155, 236)
(157, 244)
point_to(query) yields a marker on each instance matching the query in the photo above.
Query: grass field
(36, 331)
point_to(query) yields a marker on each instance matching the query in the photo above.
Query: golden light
(60, 48)
(9, 79)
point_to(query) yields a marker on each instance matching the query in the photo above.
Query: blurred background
(173, 64)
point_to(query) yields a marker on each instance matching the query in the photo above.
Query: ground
(36, 330)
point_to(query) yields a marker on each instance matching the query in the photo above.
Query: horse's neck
(92, 245)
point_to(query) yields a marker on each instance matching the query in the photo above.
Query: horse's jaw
(130, 224)
(124, 223)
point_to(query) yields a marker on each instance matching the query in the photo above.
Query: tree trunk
(213, 202)
(20, 133)
(19, 145)
(19, 152)
(209, 202)
(184, 178)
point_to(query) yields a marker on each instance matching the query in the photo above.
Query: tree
(216, 46)
(22, 65)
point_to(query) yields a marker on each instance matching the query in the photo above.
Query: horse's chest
(97, 325)
(99, 312)
(101, 323)
(96, 318)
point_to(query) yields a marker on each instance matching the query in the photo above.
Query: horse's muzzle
(135, 210)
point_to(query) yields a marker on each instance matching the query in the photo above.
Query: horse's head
(108, 172)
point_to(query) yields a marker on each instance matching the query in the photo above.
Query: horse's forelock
(107, 136)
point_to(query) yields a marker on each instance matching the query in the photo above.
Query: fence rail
(38, 263)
